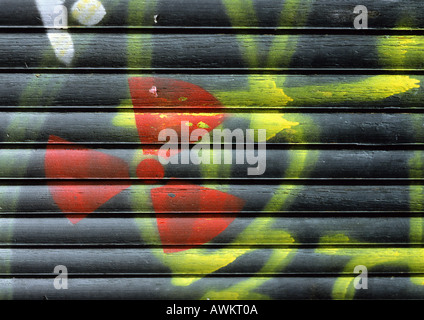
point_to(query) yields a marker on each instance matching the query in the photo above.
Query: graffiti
(183, 252)
(81, 163)
(88, 12)
(60, 40)
(206, 219)
(175, 196)
(344, 287)
(55, 16)
(205, 261)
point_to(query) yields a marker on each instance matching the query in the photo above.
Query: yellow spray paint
(273, 123)
(343, 288)
(258, 233)
(394, 52)
(139, 45)
(416, 165)
(401, 52)
(262, 92)
(370, 89)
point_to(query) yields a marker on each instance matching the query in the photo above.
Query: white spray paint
(54, 16)
(88, 12)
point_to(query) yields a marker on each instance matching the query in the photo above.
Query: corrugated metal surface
(81, 181)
